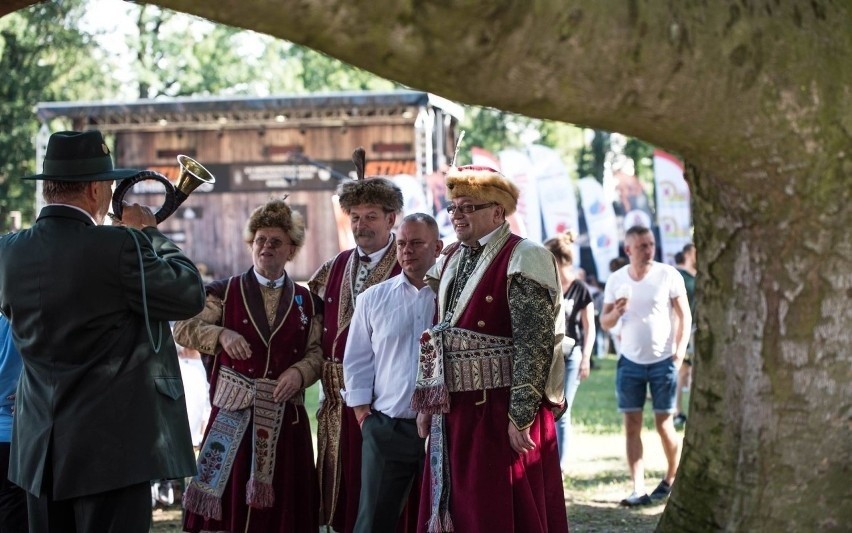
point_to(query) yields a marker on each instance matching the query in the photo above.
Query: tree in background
(44, 58)
(180, 55)
(593, 154)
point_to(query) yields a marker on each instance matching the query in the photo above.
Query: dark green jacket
(95, 403)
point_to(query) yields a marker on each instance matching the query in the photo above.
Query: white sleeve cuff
(358, 397)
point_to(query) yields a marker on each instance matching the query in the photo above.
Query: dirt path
(598, 479)
(596, 482)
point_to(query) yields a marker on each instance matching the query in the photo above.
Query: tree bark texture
(755, 96)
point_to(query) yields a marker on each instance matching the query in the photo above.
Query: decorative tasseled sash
(268, 415)
(454, 360)
(329, 419)
(431, 395)
(235, 395)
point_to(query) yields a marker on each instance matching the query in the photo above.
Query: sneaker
(679, 420)
(635, 500)
(662, 491)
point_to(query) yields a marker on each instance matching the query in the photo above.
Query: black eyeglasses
(272, 243)
(468, 208)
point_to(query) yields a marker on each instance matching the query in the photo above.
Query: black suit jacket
(95, 403)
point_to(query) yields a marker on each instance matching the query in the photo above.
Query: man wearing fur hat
(372, 205)
(100, 409)
(255, 468)
(491, 371)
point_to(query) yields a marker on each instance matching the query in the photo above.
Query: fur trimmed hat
(371, 190)
(276, 214)
(482, 182)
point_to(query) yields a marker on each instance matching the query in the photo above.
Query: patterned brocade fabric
(469, 260)
(533, 338)
(477, 362)
(271, 297)
(329, 419)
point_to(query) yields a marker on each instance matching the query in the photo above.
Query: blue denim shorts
(632, 381)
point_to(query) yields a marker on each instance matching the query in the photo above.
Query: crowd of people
(447, 373)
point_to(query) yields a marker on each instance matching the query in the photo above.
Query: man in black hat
(100, 409)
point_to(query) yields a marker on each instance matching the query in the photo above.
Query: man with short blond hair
(380, 370)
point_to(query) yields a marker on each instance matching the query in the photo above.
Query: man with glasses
(380, 369)
(491, 371)
(372, 205)
(256, 463)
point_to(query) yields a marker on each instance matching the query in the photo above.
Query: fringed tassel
(448, 522)
(431, 400)
(434, 525)
(259, 495)
(438, 525)
(202, 503)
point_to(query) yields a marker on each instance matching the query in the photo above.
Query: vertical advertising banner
(516, 166)
(556, 198)
(603, 228)
(674, 211)
(482, 157)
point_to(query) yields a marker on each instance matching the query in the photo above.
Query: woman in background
(579, 327)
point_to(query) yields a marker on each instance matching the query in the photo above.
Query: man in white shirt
(380, 370)
(643, 295)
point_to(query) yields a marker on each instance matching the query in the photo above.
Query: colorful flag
(603, 228)
(674, 211)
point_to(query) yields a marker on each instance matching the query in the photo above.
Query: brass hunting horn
(192, 174)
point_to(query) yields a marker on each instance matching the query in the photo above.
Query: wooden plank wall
(216, 238)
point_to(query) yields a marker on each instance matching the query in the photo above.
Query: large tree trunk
(755, 96)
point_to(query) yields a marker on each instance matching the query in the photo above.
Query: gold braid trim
(329, 419)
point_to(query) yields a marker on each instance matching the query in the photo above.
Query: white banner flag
(517, 167)
(603, 228)
(556, 196)
(674, 212)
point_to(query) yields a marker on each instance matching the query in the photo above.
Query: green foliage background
(44, 58)
(47, 56)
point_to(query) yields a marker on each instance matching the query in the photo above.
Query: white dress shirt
(383, 347)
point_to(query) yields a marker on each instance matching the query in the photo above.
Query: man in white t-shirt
(643, 295)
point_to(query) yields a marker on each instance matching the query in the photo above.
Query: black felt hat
(79, 156)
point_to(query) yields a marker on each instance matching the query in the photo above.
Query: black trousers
(391, 458)
(13, 499)
(123, 510)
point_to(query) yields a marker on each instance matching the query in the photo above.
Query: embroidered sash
(234, 396)
(472, 361)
